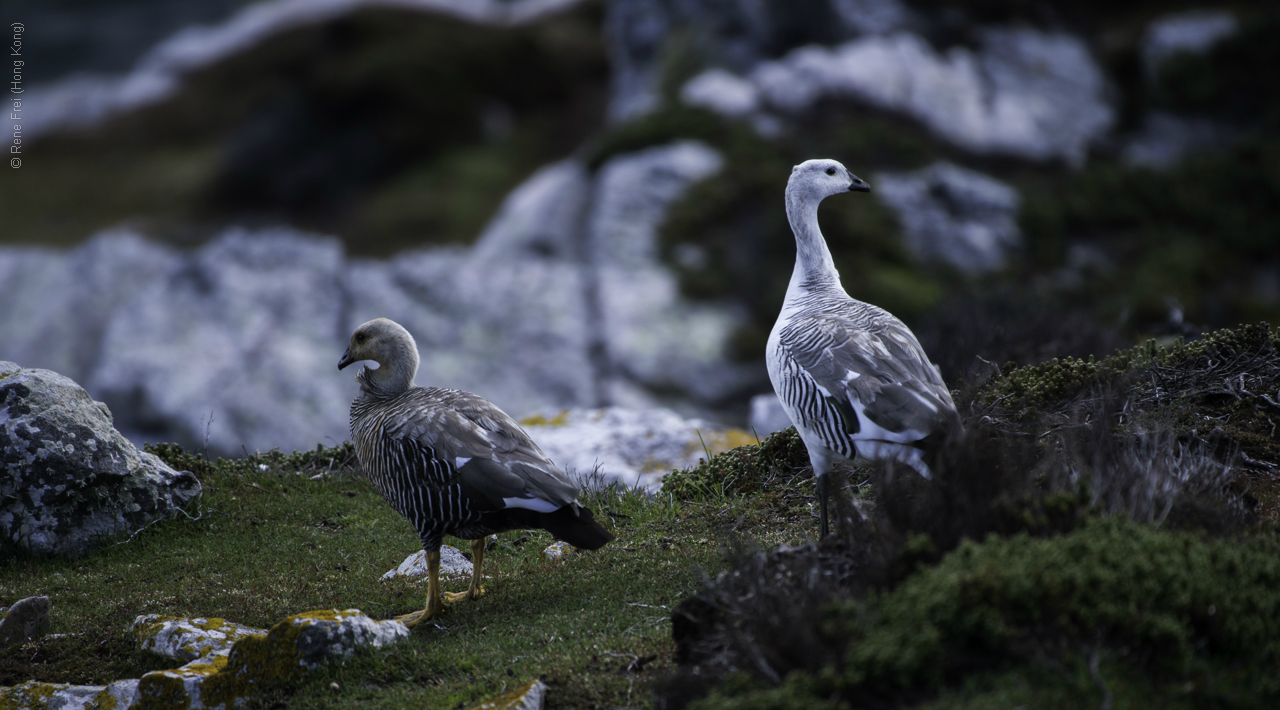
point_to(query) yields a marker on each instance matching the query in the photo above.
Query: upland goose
(852, 377)
(452, 463)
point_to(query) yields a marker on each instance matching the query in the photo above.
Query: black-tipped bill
(346, 359)
(858, 185)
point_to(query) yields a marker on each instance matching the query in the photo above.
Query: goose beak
(858, 184)
(346, 359)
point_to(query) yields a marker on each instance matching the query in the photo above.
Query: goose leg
(822, 506)
(435, 605)
(474, 591)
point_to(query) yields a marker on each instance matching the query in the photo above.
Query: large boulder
(69, 478)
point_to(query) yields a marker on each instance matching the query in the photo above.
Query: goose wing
(489, 450)
(862, 376)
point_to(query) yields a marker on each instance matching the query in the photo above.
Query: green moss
(321, 460)
(742, 470)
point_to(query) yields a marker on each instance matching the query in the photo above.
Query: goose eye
(360, 338)
(831, 171)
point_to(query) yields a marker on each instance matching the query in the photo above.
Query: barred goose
(852, 377)
(452, 463)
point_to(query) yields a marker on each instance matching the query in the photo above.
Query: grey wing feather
(505, 462)
(876, 364)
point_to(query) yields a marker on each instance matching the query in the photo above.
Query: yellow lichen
(510, 700)
(541, 420)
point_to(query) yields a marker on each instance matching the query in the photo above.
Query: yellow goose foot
(431, 611)
(474, 590)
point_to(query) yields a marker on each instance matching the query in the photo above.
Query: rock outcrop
(562, 302)
(225, 663)
(70, 479)
(1024, 93)
(954, 215)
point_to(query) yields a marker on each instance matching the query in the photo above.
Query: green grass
(268, 544)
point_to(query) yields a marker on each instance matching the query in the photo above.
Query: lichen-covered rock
(37, 695)
(297, 644)
(452, 564)
(530, 696)
(953, 215)
(557, 551)
(631, 447)
(69, 477)
(188, 639)
(26, 620)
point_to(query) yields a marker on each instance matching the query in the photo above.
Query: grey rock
(655, 339)
(231, 343)
(26, 620)
(56, 306)
(954, 215)
(452, 564)
(1193, 32)
(562, 302)
(557, 551)
(321, 639)
(188, 639)
(530, 696)
(84, 100)
(628, 446)
(732, 34)
(1025, 93)
(38, 695)
(70, 477)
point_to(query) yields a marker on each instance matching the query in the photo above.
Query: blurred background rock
(576, 203)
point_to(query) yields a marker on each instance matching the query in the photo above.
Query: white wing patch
(868, 429)
(535, 504)
(461, 461)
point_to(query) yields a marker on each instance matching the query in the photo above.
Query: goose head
(387, 343)
(815, 180)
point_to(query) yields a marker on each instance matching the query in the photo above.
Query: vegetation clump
(776, 461)
(1077, 538)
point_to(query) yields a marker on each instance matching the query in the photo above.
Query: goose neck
(813, 258)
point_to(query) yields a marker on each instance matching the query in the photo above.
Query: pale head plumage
(387, 343)
(815, 180)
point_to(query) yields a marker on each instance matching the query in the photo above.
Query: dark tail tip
(578, 528)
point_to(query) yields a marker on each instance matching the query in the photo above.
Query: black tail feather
(576, 527)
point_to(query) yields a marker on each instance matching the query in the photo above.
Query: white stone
(557, 551)
(452, 564)
(954, 215)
